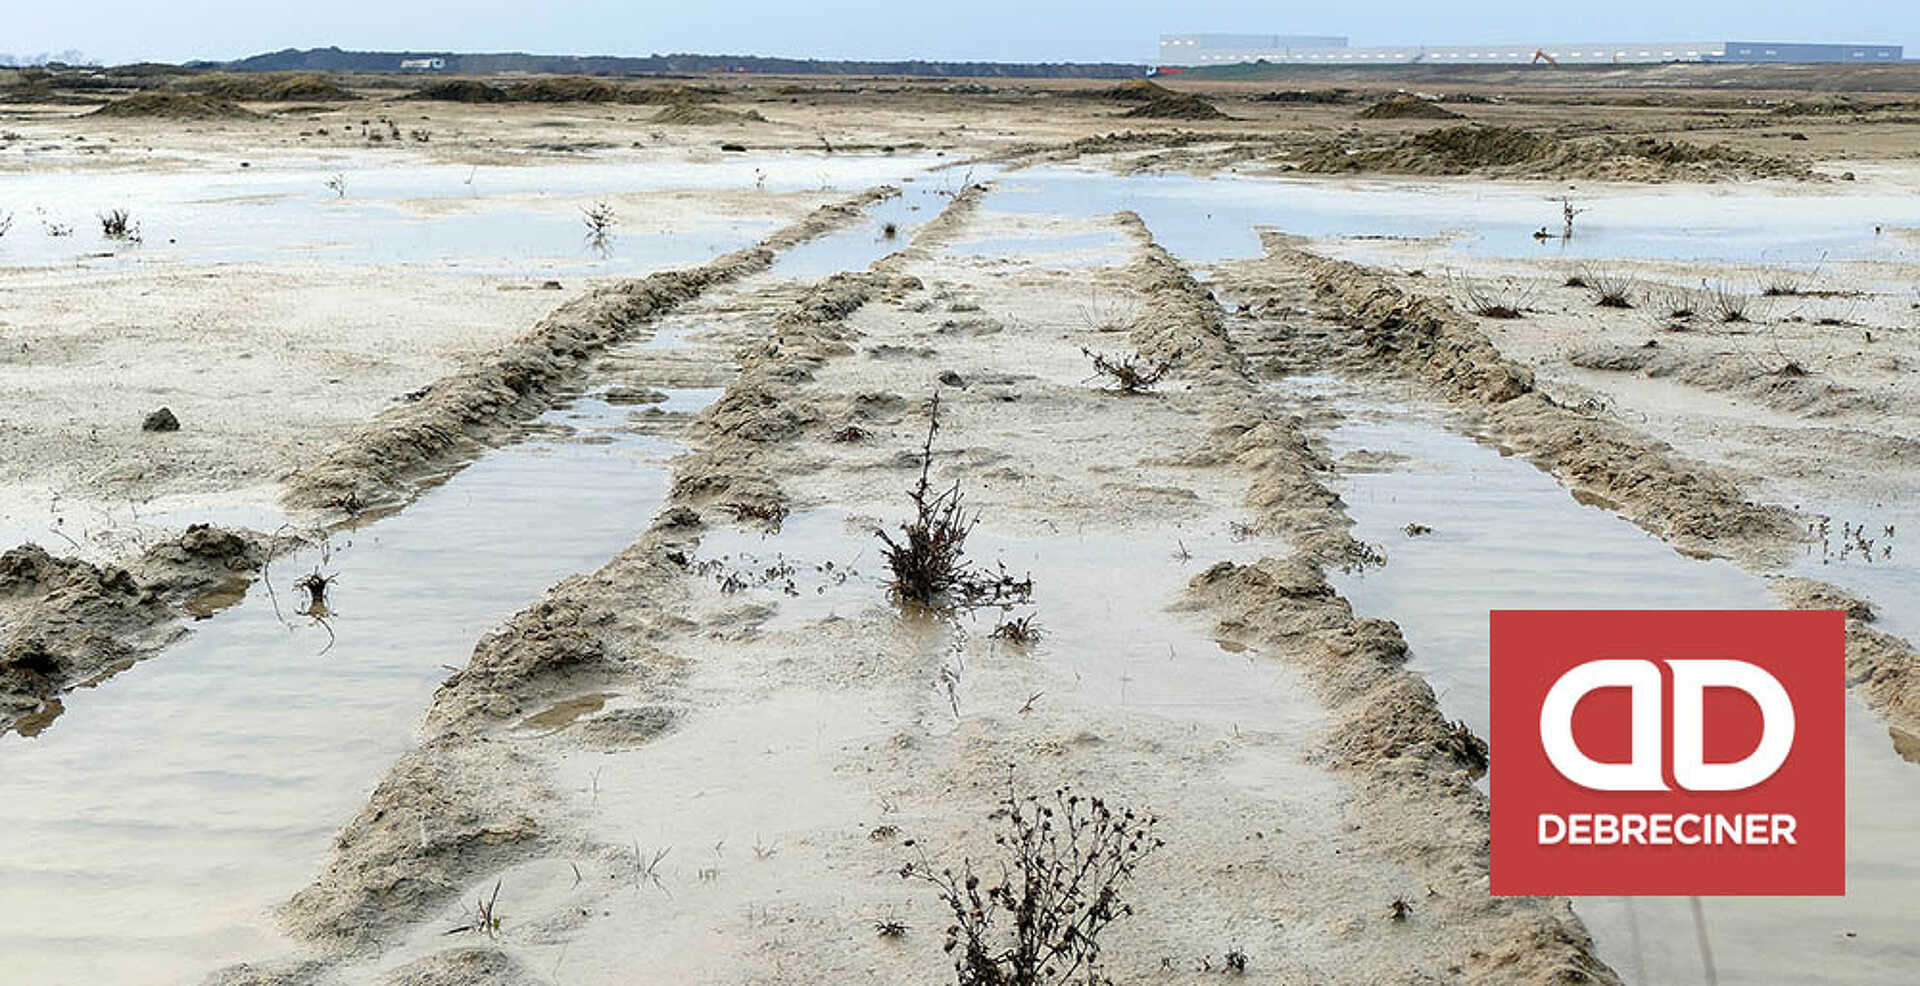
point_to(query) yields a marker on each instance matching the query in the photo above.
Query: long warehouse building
(1200, 50)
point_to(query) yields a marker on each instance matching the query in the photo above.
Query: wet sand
(723, 730)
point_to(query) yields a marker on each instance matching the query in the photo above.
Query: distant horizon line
(77, 59)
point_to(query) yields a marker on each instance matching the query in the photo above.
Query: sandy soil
(882, 738)
(676, 765)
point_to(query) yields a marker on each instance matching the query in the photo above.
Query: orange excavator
(1540, 55)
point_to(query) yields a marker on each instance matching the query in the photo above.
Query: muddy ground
(709, 759)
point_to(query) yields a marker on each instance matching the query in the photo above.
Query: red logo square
(1668, 752)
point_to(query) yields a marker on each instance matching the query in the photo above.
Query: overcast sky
(998, 30)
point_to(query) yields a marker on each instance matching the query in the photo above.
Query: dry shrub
(1036, 917)
(928, 561)
(1130, 374)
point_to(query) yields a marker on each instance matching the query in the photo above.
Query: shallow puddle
(150, 828)
(1871, 549)
(397, 209)
(731, 823)
(1109, 248)
(1505, 535)
(1100, 601)
(1204, 220)
(888, 226)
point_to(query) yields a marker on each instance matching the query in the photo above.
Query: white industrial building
(1201, 50)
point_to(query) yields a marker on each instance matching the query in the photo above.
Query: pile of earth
(269, 88)
(174, 106)
(702, 115)
(1160, 103)
(560, 89)
(1509, 152)
(1407, 106)
(37, 86)
(1131, 91)
(1338, 94)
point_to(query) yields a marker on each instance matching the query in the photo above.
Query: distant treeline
(336, 60)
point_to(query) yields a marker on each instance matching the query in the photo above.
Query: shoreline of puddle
(417, 586)
(156, 824)
(1531, 545)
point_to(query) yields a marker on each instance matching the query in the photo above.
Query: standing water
(1507, 536)
(150, 829)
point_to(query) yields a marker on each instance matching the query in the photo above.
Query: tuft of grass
(1785, 282)
(768, 513)
(1036, 913)
(928, 561)
(1672, 307)
(1506, 298)
(1130, 374)
(1465, 747)
(337, 184)
(600, 220)
(1781, 284)
(119, 224)
(1728, 305)
(486, 916)
(1609, 290)
(1020, 632)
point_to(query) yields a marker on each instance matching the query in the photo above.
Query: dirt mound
(1828, 106)
(1155, 101)
(460, 91)
(666, 95)
(1510, 152)
(274, 88)
(174, 106)
(1782, 386)
(702, 115)
(566, 89)
(1135, 91)
(1407, 106)
(1338, 94)
(67, 620)
(1161, 103)
(561, 89)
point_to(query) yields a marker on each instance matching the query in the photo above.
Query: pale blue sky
(999, 30)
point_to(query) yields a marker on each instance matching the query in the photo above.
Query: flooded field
(1211, 219)
(369, 209)
(660, 533)
(216, 777)
(1528, 545)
